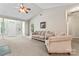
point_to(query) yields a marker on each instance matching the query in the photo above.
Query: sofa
(42, 35)
(59, 44)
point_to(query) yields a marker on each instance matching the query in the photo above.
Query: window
(10, 27)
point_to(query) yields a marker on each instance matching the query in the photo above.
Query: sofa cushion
(35, 35)
(43, 33)
(49, 34)
(61, 34)
(39, 32)
(42, 37)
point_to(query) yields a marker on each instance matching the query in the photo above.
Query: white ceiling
(51, 5)
(10, 10)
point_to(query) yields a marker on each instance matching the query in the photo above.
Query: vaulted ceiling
(10, 10)
(51, 5)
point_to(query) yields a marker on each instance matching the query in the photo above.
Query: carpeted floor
(27, 47)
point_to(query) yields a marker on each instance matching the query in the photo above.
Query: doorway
(73, 24)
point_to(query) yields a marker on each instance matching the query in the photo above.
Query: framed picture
(43, 25)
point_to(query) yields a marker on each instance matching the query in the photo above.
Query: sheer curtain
(11, 28)
(1, 21)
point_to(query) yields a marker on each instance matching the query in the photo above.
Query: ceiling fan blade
(28, 9)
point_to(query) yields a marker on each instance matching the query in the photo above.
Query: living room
(19, 31)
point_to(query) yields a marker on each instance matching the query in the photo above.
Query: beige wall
(54, 18)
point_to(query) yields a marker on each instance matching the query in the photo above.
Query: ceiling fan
(23, 9)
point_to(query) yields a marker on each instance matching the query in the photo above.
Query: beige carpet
(27, 47)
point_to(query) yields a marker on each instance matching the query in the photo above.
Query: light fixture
(23, 8)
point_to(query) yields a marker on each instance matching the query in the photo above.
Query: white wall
(54, 18)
